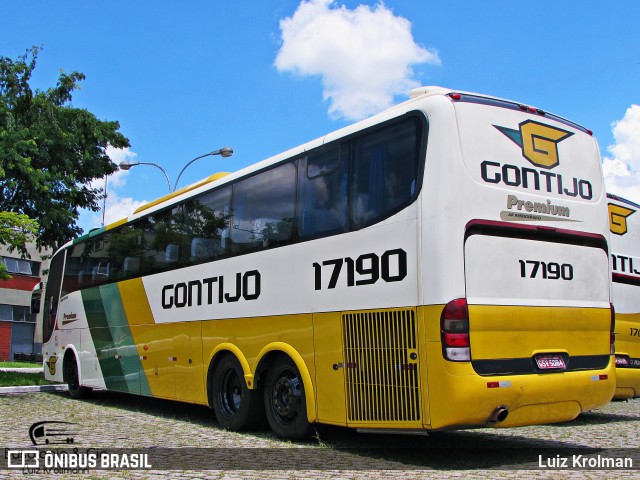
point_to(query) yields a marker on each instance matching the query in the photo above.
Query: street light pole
(104, 200)
(124, 165)
(224, 152)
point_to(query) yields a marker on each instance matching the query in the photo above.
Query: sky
(263, 76)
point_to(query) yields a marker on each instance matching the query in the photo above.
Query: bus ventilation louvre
(381, 366)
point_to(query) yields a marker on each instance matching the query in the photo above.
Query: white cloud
(120, 207)
(117, 207)
(622, 168)
(117, 155)
(364, 56)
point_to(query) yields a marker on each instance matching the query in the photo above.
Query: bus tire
(72, 378)
(285, 401)
(236, 407)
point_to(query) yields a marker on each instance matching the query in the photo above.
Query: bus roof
(416, 95)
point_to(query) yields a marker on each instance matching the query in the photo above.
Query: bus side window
(161, 241)
(323, 194)
(123, 253)
(95, 260)
(206, 222)
(385, 170)
(263, 210)
(74, 274)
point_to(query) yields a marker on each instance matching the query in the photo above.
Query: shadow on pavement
(464, 449)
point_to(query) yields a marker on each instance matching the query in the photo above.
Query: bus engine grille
(381, 366)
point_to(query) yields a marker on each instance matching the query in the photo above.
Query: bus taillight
(454, 328)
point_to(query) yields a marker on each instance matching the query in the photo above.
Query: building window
(6, 313)
(16, 313)
(17, 265)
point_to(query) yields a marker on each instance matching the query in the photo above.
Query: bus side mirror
(36, 295)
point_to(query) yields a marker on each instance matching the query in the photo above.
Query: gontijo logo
(539, 144)
(618, 218)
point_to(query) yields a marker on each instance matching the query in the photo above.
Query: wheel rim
(286, 397)
(230, 393)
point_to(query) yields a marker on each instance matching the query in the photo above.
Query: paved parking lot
(114, 421)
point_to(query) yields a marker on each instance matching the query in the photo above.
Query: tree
(50, 151)
(15, 231)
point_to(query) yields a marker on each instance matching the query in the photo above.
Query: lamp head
(225, 152)
(124, 165)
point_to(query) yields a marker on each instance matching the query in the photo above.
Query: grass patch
(17, 379)
(20, 365)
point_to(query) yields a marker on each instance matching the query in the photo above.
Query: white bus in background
(624, 221)
(441, 265)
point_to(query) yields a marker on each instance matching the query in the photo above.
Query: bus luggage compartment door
(536, 304)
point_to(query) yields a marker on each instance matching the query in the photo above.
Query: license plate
(550, 362)
(621, 361)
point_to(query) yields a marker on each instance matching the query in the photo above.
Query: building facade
(19, 337)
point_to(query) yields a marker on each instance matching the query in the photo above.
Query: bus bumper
(461, 398)
(627, 383)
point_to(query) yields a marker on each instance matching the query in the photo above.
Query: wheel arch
(70, 352)
(215, 356)
(275, 349)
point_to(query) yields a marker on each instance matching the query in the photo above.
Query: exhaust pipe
(499, 414)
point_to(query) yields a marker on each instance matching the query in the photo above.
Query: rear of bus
(624, 221)
(515, 255)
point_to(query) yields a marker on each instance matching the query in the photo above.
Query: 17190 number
(546, 270)
(367, 269)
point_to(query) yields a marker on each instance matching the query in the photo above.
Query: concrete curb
(34, 389)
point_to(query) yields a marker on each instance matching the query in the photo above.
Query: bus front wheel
(285, 401)
(236, 407)
(73, 378)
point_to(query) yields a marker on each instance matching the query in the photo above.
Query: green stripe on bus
(123, 340)
(92, 233)
(102, 340)
(112, 339)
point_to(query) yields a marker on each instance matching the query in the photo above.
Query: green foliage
(15, 231)
(50, 151)
(18, 379)
(20, 365)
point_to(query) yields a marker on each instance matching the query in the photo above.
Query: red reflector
(533, 109)
(589, 132)
(456, 96)
(493, 384)
(456, 339)
(603, 377)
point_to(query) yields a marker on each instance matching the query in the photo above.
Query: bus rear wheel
(236, 407)
(285, 401)
(72, 378)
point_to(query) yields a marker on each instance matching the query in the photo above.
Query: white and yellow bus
(443, 264)
(625, 293)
